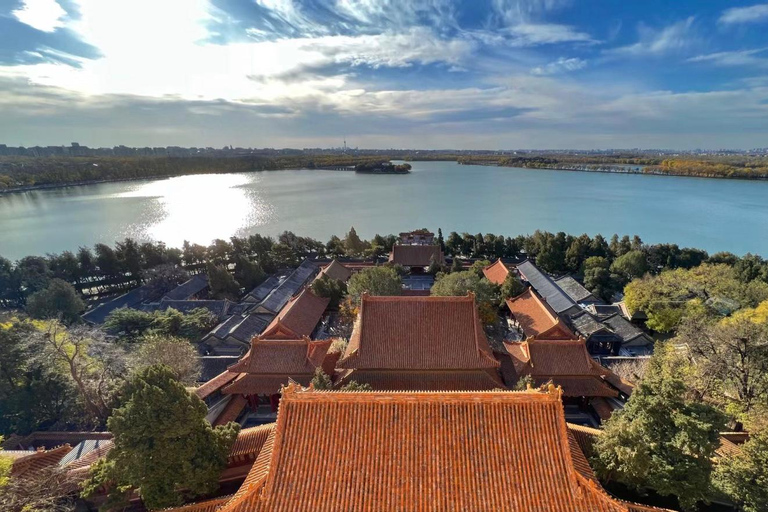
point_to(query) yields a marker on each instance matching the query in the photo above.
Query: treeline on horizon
(605, 266)
(732, 166)
(19, 172)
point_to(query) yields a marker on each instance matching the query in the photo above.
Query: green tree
(453, 244)
(456, 265)
(163, 446)
(352, 243)
(321, 380)
(375, 281)
(630, 265)
(597, 277)
(58, 300)
(221, 283)
(511, 287)
(283, 256)
(661, 439)
(478, 266)
(248, 274)
(744, 476)
(6, 463)
(129, 323)
(461, 283)
(329, 288)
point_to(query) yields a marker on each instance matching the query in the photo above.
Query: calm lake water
(715, 215)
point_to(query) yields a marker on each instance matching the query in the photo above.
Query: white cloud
(532, 34)
(752, 14)
(746, 58)
(673, 38)
(561, 65)
(45, 15)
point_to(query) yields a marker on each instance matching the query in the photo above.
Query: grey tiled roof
(575, 290)
(215, 365)
(624, 329)
(259, 293)
(546, 287)
(81, 449)
(605, 310)
(189, 288)
(585, 324)
(220, 308)
(288, 287)
(136, 296)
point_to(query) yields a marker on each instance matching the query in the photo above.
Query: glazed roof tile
(536, 318)
(575, 290)
(299, 317)
(420, 452)
(546, 287)
(336, 270)
(418, 333)
(496, 272)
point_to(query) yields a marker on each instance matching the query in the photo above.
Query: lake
(716, 215)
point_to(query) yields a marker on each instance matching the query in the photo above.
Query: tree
(329, 288)
(335, 247)
(163, 445)
(129, 255)
(597, 277)
(58, 300)
(461, 283)
(661, 439)
(511, 287)
(47, 489)
(434, 266)
(353, 385)
(132, 324)
(630, 265)
(321, 380)
(673, 294)
(248, 274)
(164, 278)
(178, 354)
(221, 283)
(27, 376)
(129, 323)
(440, 240)
(456, 265)
(453, 244)
(352, 243)
(375, 281)
(731, 357)
(95, 366)
(283, 256)
(744, 476)
(478, 266)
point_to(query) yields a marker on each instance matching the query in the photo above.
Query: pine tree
(163, 446)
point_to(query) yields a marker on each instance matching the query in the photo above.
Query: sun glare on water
(200, 208)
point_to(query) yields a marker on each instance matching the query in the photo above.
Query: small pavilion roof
(536, 318)
(416, 255)
(298, 318)
(421, 451)
(564, 362)
(269, 365)
(336, 270)
(496, 272)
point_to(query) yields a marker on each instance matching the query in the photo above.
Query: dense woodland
(709, 373)
(17, 172)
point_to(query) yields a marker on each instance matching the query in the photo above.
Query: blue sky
(477, 74)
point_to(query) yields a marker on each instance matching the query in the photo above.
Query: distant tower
(345, 144)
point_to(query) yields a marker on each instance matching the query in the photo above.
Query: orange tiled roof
(270, 363)
(496, 272)
(231, 411)
(416, 255)
(603, 409)
(215, 384)
(614, 380)
(584, 436)
(536, 318)
(418, 333)
(297, 318)
(249, 443)
(469, 451)
(38, 461)
(203, 506)
(565, 362)
(336, 270)
(422, 380)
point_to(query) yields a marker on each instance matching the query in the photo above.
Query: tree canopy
(58, 300)
(380, 280)
(164, 447)
(744, 475)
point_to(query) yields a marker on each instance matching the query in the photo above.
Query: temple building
(248, 391)
(424, 343)
(418, 237)
(420, 451)
(535, 319)
(335, 270)
(496, 272)
(416, 255)
(298, 318)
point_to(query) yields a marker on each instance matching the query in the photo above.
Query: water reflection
(185, 209)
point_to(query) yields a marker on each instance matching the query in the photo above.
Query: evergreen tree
(440, 240)
(744, 475)
(661, 440)
(58, 300)
(456, 265)
(375, 281)
(221, 283)
(163, 446)
(321, 380)
(248, 274)
(352, 243)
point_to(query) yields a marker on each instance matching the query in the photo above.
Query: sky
(474, 74)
